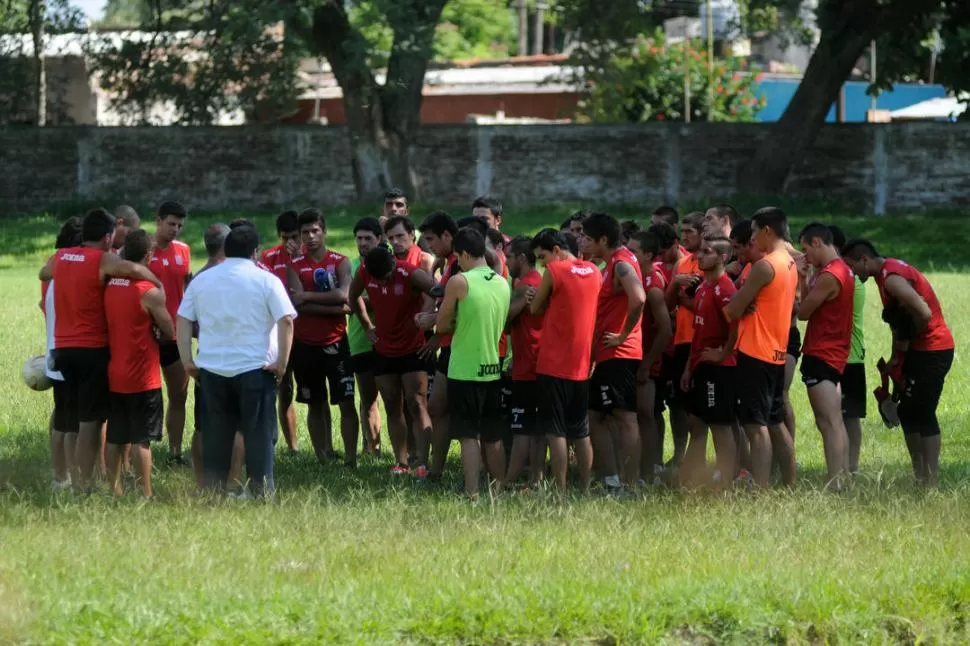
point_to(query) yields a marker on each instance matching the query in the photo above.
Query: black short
(65, 407)
(563, 406)
(399, 365)
(613, 386)
(924, 375)
(815, 371)
(135, 418)
(794, 342)
(363, 362)
(474, 410)
(444, 358)
(316, 366)
(854, 395)
(85, 372)
(505, 388)
(168, 353)
(712, 394)
(760, 391)
(523, 407)
(671, 370)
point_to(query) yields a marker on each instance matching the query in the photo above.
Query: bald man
(126, 221)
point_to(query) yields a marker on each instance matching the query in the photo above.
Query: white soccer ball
(35, 373)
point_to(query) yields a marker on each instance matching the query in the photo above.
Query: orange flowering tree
(645, 82)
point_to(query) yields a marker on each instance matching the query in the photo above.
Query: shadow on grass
(933, 242)
(25, 477)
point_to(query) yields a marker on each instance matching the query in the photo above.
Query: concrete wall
(877, 167)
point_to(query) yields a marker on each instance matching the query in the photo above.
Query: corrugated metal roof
(77, 44)
(535, 79)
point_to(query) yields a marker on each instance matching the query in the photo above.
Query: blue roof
(778, 93)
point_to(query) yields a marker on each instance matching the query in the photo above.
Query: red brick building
(528, 87)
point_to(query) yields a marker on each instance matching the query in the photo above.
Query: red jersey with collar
(394, 303)
(526, 332)
(172, 267)
(319, 329)
(711, 327)
(611, 312)
(79, 299)
(134, 365)
(935, 336)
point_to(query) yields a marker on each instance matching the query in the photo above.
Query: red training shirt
(526, 332)
(684, 330)
(711, 327)
(611, 311)
(134, 366)
(745, 272)
(318, 329)
(451, 267)
(667, 273)
(79, 299)
(394, 304)
(503, 342)
(172, 267)
(276, 260)
(829, 333)
(936, 335)
(653, 280)
(413, 257)
(570, 320)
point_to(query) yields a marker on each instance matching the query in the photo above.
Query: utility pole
(872, 55)
(523, 24)
(537, 40)
(710, 62)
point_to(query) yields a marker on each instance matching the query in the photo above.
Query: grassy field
(354, 557)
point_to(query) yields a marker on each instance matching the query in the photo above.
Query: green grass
(357, 558)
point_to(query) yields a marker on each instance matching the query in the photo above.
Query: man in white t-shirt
(245, 320)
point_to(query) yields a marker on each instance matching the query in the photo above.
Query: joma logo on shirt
(119, 282)
(489, 369)
(582, 271)
(73, 257)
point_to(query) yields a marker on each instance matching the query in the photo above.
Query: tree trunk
(838, 50)
(38, 14)
(522, 24)
(381, 158)
(382, 119)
